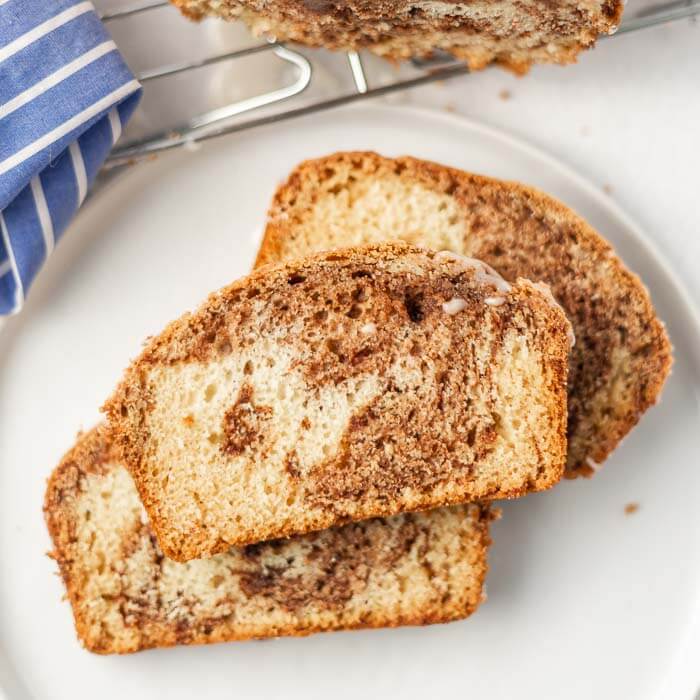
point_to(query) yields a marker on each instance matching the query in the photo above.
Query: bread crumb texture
(272, 410)
(407, 570)
(622, 355)
(512, 34)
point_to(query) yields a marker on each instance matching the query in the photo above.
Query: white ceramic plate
(584, 601)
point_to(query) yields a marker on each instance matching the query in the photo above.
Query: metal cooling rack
(290, 100)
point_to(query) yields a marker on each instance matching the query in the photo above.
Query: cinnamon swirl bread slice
(512, 34)
(341, 387)
(412, 569)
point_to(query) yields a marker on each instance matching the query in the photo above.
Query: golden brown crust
(121, 620)
(361, 480)
(89, 455)
(523, 232)
(512, 35)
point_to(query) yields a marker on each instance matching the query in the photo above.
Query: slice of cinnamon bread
(622, 354)
(512, 34)
(341, 387)
(411, 569)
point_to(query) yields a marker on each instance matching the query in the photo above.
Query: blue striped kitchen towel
(65, 94)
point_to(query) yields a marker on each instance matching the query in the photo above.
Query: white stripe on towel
(44, 28)
(19, 291)
(6, 266)
(67, 126)
(79, 168)
(42, 209)
(55, 78)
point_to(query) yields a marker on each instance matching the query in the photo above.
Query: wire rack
(289, 99)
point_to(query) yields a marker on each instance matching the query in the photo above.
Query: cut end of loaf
(622, 354)
(512, 35)
(342, 387)
(408, 570)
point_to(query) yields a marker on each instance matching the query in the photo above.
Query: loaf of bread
(622, 354)
(411, 569)
(342, 387)
(512, 34)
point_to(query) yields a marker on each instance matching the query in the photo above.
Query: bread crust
(107, 628)
(128, 410)
(523, 232)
